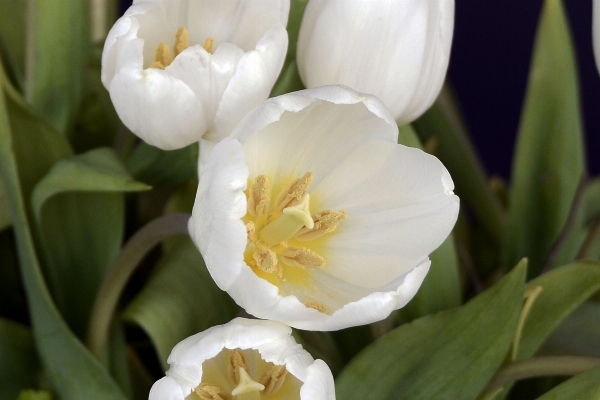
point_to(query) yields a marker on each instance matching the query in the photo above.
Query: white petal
(319, 383)
(241, 22)
(207, 75)
(145, 103)
(400, 208)
(254, 78)
(400, 51)
(216, 226)
(166, 388)
(316, 137)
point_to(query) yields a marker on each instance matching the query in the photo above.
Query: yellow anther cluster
(317, 306)
(276, 228)
(162, 54)
(239, 382)
(273, 379)
(209, 392)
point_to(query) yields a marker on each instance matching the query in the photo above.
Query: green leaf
(564, 290)
(158, 167)
(33, 139)
(12, 38)
(577, 335)
(549, 159)
(57, 59)
(79, 213)
(5, 218)
(584, 386)
(442, 126)
(297, 8)
(34, 395)
(179, 300)
(450, 355)
(70, 368)
(591, 201)
(19, 364)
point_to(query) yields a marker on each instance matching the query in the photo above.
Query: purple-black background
(489, 67)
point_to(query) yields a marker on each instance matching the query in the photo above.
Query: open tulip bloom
(181, 70)
(397, 50)
(244, 360)
(311, 214)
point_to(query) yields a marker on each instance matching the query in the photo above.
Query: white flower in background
(244, 360)
(180, 70)
(596, 31)
(311, 214)
(397, 50)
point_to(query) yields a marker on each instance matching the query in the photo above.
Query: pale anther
(181, 40)
(303, 258)
(266, 260)
(162, 56)
(251, 231)
(273, 379)
(237, 360)
(246, 384)
(209, 392)
(208, 45)
(325, 222)
(258, 200)
(293, 193)
(317, 306)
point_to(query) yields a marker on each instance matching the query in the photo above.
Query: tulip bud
(397, 50)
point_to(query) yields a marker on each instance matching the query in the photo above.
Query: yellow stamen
(162, 56)
(259, 198)
(247, 388)
(208, 45)
(251, 231)
(293, 193)
(303, 258)
(237, 361)
(209, 392)
(266, 260)
(181, 40)
(325, 222)
(273, 379)
(317, 306)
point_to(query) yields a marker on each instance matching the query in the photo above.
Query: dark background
(489, 67)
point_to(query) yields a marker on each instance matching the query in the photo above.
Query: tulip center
(162, 54)
(244, 375)
(280, 231)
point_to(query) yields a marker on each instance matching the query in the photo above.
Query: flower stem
(543, 366)
(121, 270)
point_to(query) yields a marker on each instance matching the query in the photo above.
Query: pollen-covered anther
(162, 56)
(207, 391)
(259, 197)
(237, 360)
(293, 193)
(303, 258)
(273, 379)
(266, 260)
(325, 222)
(208, 45)
(181, 40)
(320, 307)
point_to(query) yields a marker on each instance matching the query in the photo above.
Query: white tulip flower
(397, 50)
(311, 214)
(181, 70)
(244, 360)
(596, 31)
